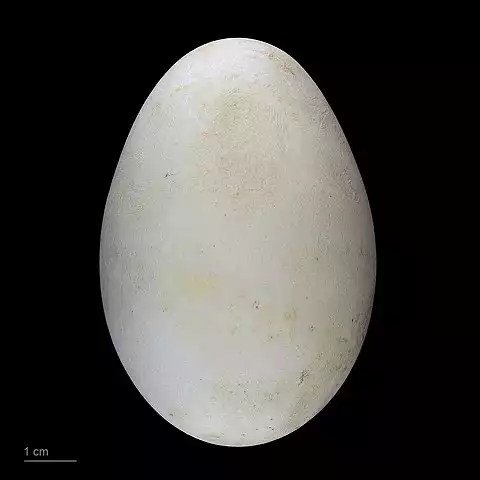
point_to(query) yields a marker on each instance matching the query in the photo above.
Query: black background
(79, 402)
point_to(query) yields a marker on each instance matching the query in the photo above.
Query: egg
(237, 251)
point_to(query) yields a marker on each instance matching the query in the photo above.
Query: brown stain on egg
(236, 397)
(310, 389)
(212, 437)
(182, 87)
(290, 318)
(233, 158)
(283, 64)
(326, 368)
(272, 396)
(345, 183)
(273, 326)
(303, 376)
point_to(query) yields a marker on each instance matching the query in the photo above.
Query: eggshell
(237, 257)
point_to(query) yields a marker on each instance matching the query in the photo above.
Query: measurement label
(41, 455)
(36, 452)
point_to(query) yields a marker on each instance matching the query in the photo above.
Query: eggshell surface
(237, 257)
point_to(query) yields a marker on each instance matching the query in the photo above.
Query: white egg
(237, 257)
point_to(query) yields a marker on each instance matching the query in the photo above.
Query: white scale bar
(49, 461)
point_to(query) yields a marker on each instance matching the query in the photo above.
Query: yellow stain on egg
(198, 286)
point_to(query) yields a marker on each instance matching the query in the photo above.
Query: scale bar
(50, 461)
